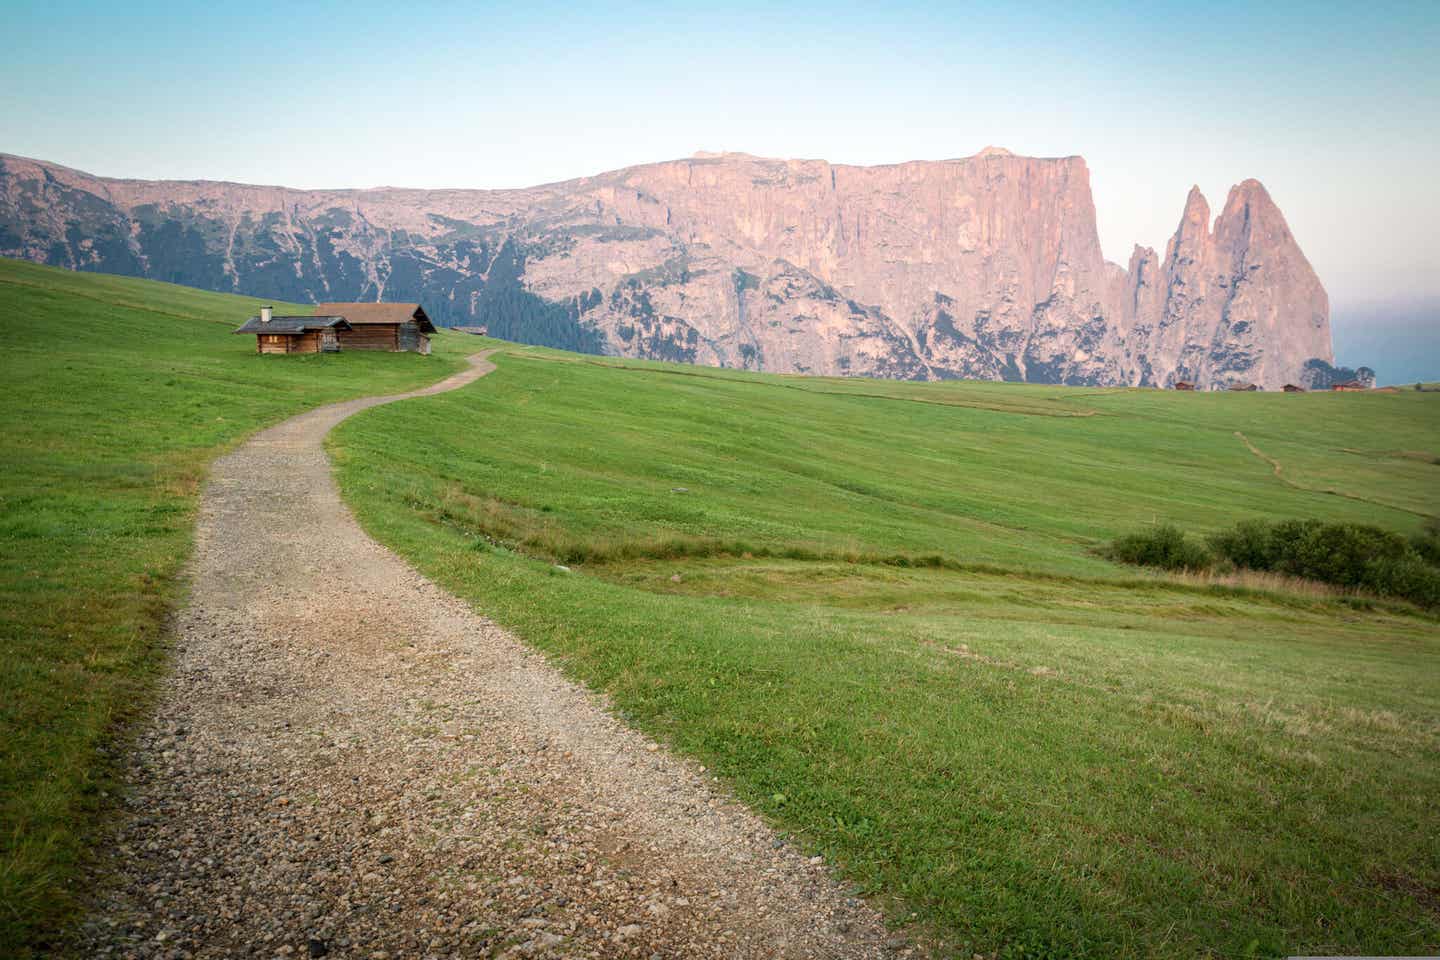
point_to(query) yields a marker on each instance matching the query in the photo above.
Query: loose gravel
(347, 761)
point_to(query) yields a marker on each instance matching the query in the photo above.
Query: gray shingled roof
(292, 325)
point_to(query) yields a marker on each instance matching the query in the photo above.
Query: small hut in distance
(396, 327)
(294, 334)
(1184, 385)
(1293, 388)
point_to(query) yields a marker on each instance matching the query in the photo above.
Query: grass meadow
(878, 611)
(118, 394)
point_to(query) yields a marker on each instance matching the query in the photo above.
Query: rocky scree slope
(984, 267)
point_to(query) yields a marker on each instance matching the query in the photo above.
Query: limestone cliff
(986, 267)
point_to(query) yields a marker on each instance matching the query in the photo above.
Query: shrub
(1351, 555)
(1426, 543)
(1247, 544)
(1339, 552)
(1408, 578)
(1345, 554)
(1287, 540)
(1166, 546)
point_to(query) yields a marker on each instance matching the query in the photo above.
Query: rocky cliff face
(1237, 303)
(985, 267)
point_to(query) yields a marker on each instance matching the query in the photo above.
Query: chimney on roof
(265, 313)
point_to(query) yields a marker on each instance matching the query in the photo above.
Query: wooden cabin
(1244, 387)
(1348, 386)
(1293, 388)
(396, 327)
(1184, 385)
(274, 334)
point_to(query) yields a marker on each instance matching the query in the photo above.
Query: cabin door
(407, 337)
(329, 340)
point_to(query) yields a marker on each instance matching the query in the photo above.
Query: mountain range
(986, 267)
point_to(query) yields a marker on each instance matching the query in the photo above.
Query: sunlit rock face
(984, 267)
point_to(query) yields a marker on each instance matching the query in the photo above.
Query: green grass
(118, 394)
(878, 611)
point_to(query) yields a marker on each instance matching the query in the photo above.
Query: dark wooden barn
(1184, 385)
(381, 326)
(320, 334)
(1293, 388)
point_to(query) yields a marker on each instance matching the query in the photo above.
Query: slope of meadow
(876, 609)
(118, 394)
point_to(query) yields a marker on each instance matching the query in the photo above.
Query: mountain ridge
(980, 267)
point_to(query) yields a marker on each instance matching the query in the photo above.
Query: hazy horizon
(1326, 107)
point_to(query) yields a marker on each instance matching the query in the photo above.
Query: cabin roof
(292, 326)
(361, 314)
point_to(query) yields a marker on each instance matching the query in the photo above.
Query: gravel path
(347, 761)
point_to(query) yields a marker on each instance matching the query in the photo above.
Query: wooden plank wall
(287, 343)
(370, 336)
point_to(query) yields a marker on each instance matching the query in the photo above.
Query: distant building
(1244, 387)
(1293, 388)
(381, 326)
(1184, 385)
(1349, 386)
(274, 334)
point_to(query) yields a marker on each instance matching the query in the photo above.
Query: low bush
(1165, 546)
(1349, 555)
(1286, 541)
(1340, 553)
(1246, 545)
(1426, 543)
(1408, 578)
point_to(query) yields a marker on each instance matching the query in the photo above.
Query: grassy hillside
(876, 610)
(118, 394)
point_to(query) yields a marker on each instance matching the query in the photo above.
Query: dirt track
(347, 761)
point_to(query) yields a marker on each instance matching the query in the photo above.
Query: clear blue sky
(1334, 107)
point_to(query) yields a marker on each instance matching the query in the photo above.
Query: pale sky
(1333, 106)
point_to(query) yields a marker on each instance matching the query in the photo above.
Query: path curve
(348, 761)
